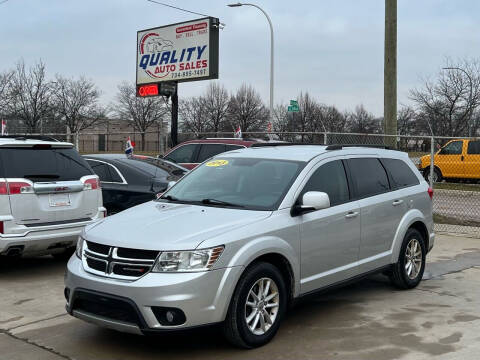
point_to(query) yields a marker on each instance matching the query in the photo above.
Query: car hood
(166, 226)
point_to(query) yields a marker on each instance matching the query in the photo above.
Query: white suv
(48, 193)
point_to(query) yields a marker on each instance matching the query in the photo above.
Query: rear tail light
(14, 187)
(430, 193)
(2, 228)
(91, 184)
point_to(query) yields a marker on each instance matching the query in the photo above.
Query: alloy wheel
(262, 305)
(413, 258)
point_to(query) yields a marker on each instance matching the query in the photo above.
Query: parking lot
(367, 320)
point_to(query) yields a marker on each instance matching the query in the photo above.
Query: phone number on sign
(188, 73)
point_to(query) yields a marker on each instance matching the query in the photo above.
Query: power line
(170, 6)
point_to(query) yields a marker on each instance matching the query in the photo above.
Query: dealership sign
(179, 52)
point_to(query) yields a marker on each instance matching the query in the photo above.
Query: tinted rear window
(369, 176)
(401, 174)
(52, 164)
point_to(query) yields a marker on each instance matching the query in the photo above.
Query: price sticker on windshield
(217, 163)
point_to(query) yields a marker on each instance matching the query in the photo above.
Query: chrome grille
(117, 262)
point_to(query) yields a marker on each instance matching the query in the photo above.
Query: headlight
(79, 249)
(185, 261)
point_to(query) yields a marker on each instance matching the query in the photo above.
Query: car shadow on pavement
(30, 266)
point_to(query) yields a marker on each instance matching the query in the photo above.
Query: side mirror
(311, 201)
(170, 184)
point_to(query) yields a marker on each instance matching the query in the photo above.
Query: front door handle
(397, 202)
(351, 214)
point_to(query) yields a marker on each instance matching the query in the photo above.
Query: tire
(236, 329)
(400, 276)
(437, 175)
(64, 255)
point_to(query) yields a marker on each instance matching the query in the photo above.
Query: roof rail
(339, 147)
(29, 137)
(264, 144)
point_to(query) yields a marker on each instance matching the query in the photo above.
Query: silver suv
(48, 193)
(241, 237)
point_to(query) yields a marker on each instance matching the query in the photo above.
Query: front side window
(184, 154)
(474, 147)
(209, 150)
(401, 174)
(369, 176)
(453, 148)
(255, 184)
(331, 179)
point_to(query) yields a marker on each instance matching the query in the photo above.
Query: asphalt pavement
(367, 320)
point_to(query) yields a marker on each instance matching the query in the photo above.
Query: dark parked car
(129, 181)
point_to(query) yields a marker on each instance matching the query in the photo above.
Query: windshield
(254, 184)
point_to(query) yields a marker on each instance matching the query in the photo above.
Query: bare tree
(281, 122)
(448, 103)
(192, 115)
(406, 121)
(76, 103)
(5, 87)
(142, 113)
(361, 121)
(30, 95)
(214, 106)
(247, 110)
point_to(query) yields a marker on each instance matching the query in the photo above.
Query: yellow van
(457, 159)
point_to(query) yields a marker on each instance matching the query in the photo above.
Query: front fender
(408, 219)
(268, 245)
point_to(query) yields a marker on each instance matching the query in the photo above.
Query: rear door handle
(351, 214)
(397, 202)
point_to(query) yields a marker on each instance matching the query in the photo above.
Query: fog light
(169, 316)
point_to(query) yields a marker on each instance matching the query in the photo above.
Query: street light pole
(271, 50)
(469, 98)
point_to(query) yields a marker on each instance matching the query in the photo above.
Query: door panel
(450, 159)
(472, 160)
(330, 237)
(329, 244)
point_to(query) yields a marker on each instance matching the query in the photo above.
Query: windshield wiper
(169, 197)
(220, 202)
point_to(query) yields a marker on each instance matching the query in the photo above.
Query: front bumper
(203, 297)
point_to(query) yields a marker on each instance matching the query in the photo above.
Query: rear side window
(183, 154)
(44, 164)
(101, 169)
(369, 176)
(474, 148)
(209, 150)
(331, 179)
(400, 173)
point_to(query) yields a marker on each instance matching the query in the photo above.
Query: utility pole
(390, 73)
(174, 123)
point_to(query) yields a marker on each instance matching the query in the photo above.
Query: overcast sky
(332, 49)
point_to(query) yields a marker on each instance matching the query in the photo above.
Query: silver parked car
(241, 237)
(48, 193)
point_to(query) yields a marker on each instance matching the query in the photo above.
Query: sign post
(170, 54)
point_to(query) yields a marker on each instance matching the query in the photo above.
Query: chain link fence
(454, 176)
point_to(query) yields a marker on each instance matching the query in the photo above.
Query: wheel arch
(414, 218)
